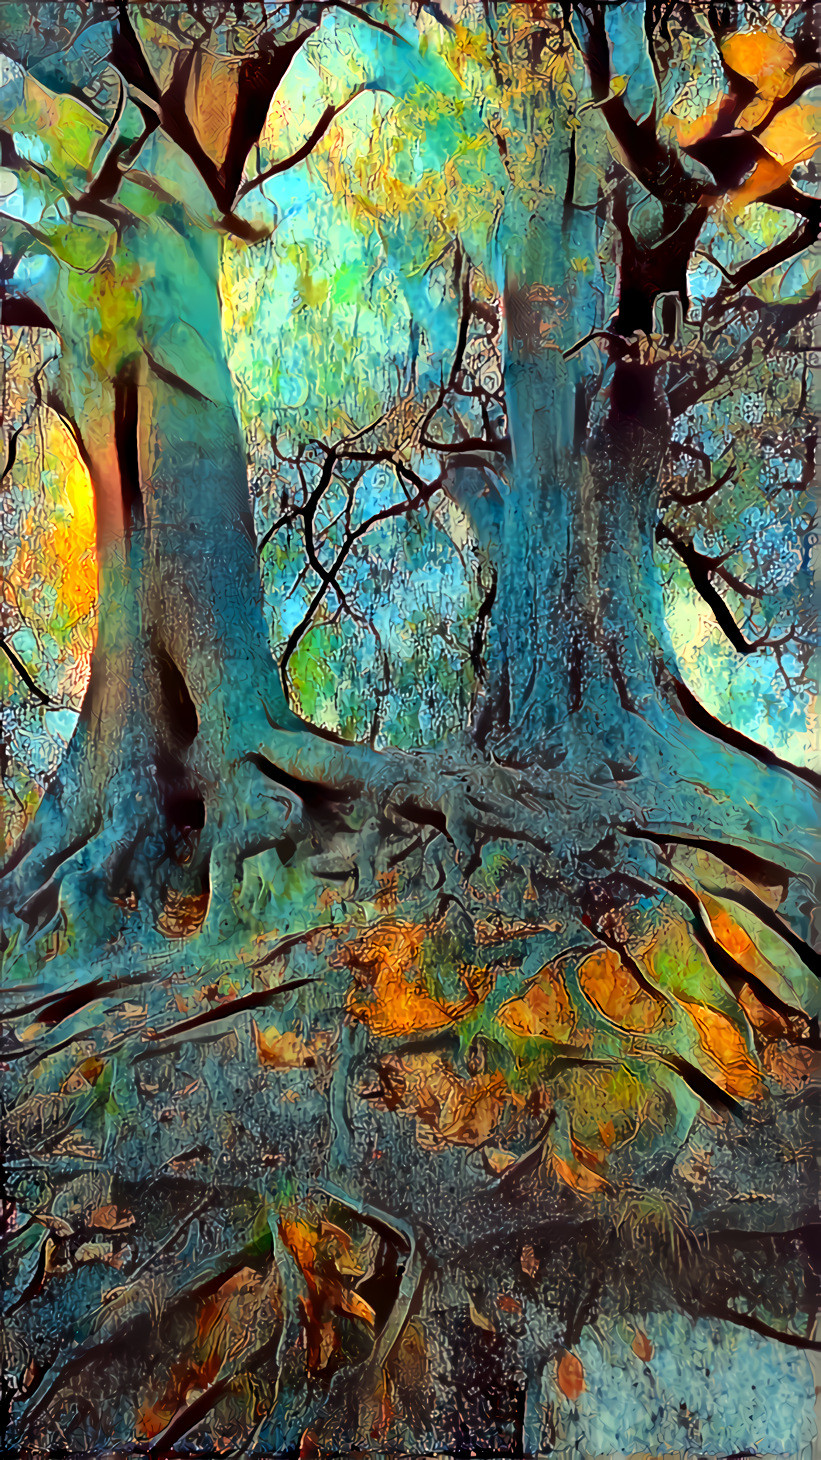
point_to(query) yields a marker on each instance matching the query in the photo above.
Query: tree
(541, 975)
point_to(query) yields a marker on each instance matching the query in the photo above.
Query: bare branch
(304, 150)
(23, 673)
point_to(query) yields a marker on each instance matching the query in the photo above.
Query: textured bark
(182, 684)
(577, 622)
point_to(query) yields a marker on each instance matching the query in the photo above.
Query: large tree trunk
(580, 666)
(577, 621)
(182, 685)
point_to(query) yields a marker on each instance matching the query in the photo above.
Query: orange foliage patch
(211, 101)
(579, 1177)
(389, 993)
(792, 1066)
(690, 130)
(281, 1051)
(543, 1011)
(723, 1042)
(762, 56)
(612, 989)
(183, 914)
(227, 1325)
(111, 1218)
(570, 1376)
(765, 1021)
(324, 1255)
(449, 1110)
(792, 134)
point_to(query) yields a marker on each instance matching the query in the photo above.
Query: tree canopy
(411, 999)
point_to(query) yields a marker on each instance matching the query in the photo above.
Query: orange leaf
(793, 135)
(111, 1218)
(613, 990)
(766, 176)
(211, 101)
(356, 1307)
(642, 1347)
(607, 1132)
(543, 1011)
(690, 130)
(183, 914)
(733, 939)
(152, 1419)
(389, 996)
(580, 1178)
(763, 56)
(499, 1160)
(792, 1067)
(281, 1051)
(91, 1069)
(449, 1109)
(723, 1042)
(472, 1109)
(767, 1021)
(301, 1241)
(594, 1160)
(570, 1376)
(529, 1262)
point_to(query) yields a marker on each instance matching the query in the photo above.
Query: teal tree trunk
(577, 621)
(581, 671)
(182, 685)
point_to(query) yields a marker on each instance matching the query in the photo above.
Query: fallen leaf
(767, 1021)
(478, 1319)
(499, 1161)
(543, 1011)
(791, 1066)
(570, 1376)
(389, 994)
(724, 1043)
(613, 990)
(54, 1224)
(281, 1051)
(183, 914)
(529, 1262)
(111, 1218)
(580, 1178)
